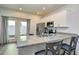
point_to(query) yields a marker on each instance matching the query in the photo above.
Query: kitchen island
(35, 43)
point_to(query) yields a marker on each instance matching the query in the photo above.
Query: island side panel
(30, 50)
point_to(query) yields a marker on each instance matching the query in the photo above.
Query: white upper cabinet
(58, 17)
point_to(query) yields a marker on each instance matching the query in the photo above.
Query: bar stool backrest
(73, 42)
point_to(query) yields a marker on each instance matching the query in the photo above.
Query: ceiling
(37, 9)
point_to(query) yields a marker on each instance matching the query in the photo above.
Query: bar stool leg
(46, 50)
(64, 53)
(74, 52)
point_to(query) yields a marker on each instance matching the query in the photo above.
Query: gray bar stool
(54, 48)
(70, 48)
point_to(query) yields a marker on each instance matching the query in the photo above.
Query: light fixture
(20, 9)
(44, 8)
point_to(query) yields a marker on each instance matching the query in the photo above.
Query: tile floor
(9, 49)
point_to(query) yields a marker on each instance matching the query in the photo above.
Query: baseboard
(1, 44)
(4, 43)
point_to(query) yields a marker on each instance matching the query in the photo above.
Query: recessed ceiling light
(38, 13)
(44, 8)
(20, 9)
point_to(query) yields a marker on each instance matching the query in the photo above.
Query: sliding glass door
(23, 30)
(16, 29)
(11, 31)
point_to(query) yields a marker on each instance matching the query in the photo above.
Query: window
(16, 29)
(23, 30)
(11, 29)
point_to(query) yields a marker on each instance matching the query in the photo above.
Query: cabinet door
(60, 18)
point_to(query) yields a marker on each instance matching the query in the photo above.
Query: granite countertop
(34, 40)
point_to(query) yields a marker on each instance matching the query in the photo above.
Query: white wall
(73, 21)
(0, 31)
(73, 18)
